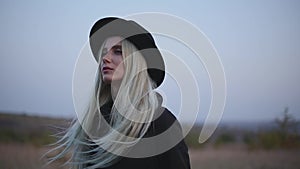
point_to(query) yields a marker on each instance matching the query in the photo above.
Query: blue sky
(257, 41)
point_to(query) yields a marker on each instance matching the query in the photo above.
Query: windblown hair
(95, 143)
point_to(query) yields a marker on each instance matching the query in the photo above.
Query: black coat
(175, 158)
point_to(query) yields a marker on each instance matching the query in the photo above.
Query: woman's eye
(118, 52)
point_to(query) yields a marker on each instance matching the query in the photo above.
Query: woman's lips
(106, 69)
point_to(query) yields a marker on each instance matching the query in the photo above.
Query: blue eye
(118, 51)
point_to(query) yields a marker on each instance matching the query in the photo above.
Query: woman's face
(112, 66)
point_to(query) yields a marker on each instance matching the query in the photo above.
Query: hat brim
(134, 33)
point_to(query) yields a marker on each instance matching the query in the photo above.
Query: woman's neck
(115, 86)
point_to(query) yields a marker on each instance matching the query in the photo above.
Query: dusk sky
(258, 43)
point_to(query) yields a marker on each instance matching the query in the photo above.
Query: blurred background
(257, 42)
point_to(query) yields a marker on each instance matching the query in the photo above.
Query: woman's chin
(107, 80)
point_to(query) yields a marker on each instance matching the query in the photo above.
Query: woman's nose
(107, 57)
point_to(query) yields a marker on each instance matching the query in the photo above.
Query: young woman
(125, 112)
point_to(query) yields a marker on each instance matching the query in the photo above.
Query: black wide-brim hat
(134, 33)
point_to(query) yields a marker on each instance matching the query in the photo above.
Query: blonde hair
(99, 144)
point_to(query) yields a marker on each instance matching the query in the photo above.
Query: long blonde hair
(93, 141)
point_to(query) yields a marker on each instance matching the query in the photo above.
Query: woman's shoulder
(163, 117)
(163, 120)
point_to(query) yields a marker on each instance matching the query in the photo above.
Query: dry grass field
(23, 141)
(22, 156)
(233, 157)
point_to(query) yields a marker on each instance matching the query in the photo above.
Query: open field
(232, 157)
(23, 156)
(17, 156)
(23, 141)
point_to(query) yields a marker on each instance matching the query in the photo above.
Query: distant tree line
(284, 135)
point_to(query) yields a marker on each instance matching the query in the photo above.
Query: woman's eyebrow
(116, 47)
(113, 47)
